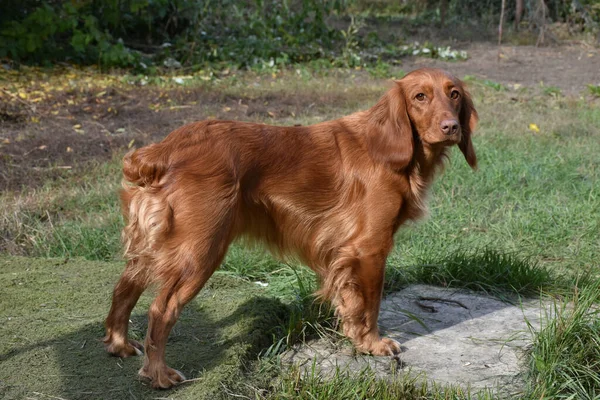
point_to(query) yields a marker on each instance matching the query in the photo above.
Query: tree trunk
(518, 13)
(501, 22)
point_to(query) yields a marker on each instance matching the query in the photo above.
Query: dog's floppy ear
(468, 122)
(389, 132)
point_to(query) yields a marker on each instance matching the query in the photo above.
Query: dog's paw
(382, 347)
(124, 349)
(162, 377)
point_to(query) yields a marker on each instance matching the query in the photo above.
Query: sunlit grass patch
(564, 360)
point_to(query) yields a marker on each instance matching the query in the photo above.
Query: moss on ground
(51, 315)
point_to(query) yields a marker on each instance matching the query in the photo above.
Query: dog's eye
(420, 96)
(454, 94)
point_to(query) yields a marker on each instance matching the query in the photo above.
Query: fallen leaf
(77, 126)
(131, 143)
(42, 147)
(6, 141)
(534, 128)
(69, 149)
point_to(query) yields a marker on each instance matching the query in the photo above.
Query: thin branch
(501, 22)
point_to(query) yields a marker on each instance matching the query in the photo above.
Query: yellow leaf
(35, 120)
(131, 143)
(534, 128)
(226, 109)
(43, 147)
(78, 126)
(69, 149)
(23, 95)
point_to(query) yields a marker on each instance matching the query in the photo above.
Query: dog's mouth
(443, 139)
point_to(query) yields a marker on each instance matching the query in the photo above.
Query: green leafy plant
(594, 90)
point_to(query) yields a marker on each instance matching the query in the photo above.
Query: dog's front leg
(357, 284)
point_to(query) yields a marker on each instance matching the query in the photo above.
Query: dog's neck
(427, 160)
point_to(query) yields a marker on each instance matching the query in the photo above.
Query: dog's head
(428, 105)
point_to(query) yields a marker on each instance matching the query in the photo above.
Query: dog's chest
(414, 200)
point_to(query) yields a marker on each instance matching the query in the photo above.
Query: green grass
(346, 385)
(526, 222)
(565, 357)
(52, 312)
(479, 269)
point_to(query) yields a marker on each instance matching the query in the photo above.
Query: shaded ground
(51, 132)
(51, 323)
(454, 337)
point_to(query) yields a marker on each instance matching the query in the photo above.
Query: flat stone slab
(449, 336)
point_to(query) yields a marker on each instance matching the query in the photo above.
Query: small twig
(439, 299)
(50, 396)
(49, 168)
(191, 380)
(230, 393)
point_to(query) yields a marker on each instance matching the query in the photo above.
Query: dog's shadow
(209, 346)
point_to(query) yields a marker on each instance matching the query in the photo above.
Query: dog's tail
(147, 213)
(145, 166)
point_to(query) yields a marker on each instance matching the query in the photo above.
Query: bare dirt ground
(570, 68)
(67, 130)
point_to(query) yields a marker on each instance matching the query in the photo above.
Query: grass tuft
(565, 356)
(486, 270)
(308, 383)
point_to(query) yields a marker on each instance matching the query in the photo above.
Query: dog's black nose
(449, 126)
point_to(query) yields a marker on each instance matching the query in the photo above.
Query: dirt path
(569, 68)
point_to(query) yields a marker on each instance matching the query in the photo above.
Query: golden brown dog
(332, 194)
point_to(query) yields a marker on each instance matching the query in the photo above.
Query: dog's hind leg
(198, 250)
(125, 296)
